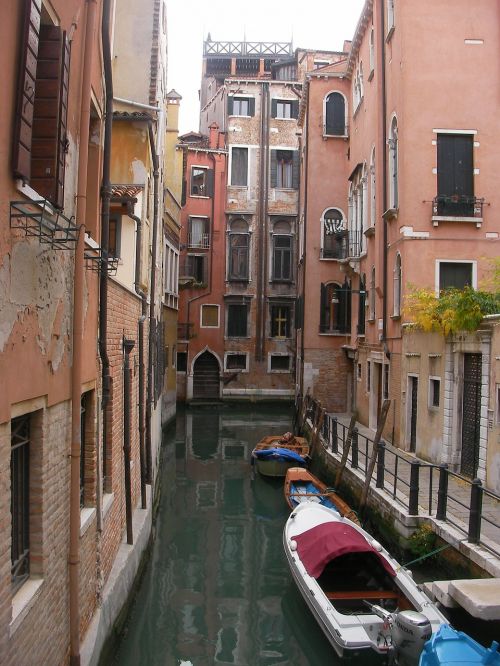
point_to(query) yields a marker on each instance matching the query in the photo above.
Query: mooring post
(442, 493)
(414, 479)
(354, 448)
(380, 465)
(476, 505)
(335, 434)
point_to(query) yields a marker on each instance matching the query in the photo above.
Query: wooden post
(369, 472)
(345, 450)
(317, 426)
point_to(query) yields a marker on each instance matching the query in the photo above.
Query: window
(181, 361)
(209, 316)
(115, 235)
(396, 310)
(371, 303)
(40, 136)
(20, 500)
(83, 429)
(390, 17)
(393, 164)
(282, 252)
(455, 175)
(281, 317)
(196, 268)
(385, 380)
(201, 182)
(239, 245)
(285, 166)
(361, 305)
(171, 270)
(373, 190)
(456, 274)
(358, 87)
(239, 166)
(198, 234)
(240, 106)
(284, 109)
(279, 362)
(368, 376)
(335, 314)
(357, 212)
(320, 63)
(236, 361)
(359, 374)
(335, 115)
(372, 52)
(434, 391)
(237, 316)
(334, 236)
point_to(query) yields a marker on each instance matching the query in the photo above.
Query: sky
(313, 24)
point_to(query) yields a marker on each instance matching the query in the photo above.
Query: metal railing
(457, 205)
(421, 488)
(200, 241)
(245, 48)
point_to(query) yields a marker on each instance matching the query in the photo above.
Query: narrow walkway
(458, 492)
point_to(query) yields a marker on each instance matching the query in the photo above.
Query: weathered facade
(81, 374)
(411, 203)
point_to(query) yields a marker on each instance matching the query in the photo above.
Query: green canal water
(216, 589)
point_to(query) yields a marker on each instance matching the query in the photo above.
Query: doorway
(206, 377)
(471, 414)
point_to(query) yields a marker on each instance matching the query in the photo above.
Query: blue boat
(449, 646)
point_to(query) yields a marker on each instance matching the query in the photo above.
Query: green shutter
(274, 108)
(274, 169)
(296, 170)
(230, 105)
(210, 182)
(323, 309)
(295, 108)
(251, 106)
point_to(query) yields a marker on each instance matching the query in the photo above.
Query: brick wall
(329, 369)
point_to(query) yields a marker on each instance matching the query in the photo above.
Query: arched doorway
(206, 379)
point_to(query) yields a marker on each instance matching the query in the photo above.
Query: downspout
(262, 258)
(78, 321)
(384, 172)
(142, 319)
(152, 323)
(128, 345)
(304, 256)
(105, 204)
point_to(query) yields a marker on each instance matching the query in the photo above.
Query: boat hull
(272, 458)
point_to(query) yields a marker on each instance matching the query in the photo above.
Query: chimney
(213, 139)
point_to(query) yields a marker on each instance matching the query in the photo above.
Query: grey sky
(315, 24)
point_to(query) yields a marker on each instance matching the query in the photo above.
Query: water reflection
(217, 589)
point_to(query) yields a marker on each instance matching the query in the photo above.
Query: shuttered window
(240, 106)
(237, 315)
(284, 109)
(239, 166)
(335, 115)
(454, 274)
(455, 177)
(282, 258)
(39, 137)
(285, 169)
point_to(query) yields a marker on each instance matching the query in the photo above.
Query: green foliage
(422, 541)
(455, 310)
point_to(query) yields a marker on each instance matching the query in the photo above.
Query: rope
(423, 557)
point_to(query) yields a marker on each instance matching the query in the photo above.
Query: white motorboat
(361, 597)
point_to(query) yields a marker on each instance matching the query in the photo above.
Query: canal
(216, 588)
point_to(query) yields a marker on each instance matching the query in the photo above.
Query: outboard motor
(410, 630)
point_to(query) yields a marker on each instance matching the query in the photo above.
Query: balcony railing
(255, 49)
(457, 205)
(200, 241)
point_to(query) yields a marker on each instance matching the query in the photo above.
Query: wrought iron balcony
(41, 220)
(200, 241)
(457, 205)
(343, 245)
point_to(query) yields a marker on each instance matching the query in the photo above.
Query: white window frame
(323, 230)
(473, 263)
(202, 168)
(371, 53)
(274, 354)
(373, 189)
(236, 353)
(290, 106)
(230, 165)
(346, 115)
(397, 286)
(393, 163)
(391, 22)
(430, 393)
(216, 305)
(240, 96)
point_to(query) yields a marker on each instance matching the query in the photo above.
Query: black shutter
(455, 168)
(251, 106)
(295, 108)
(274, 168)
(209, 175)
(47, 114)
(62, 146)
(299, 312)
(274, 108)
(296, 169)
(23, 129)
(335, 115)
(183, 195)
(323, 309)
(230, 105)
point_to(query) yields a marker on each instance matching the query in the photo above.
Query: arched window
(334, 235)
(371, 304)
(282, 251)
(372, 51)
(393, 164)
(335, 313)
(335, 114)
(397, 287)
(239, 244)
(373, 191)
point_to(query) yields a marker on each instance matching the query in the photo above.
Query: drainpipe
(384, 172)
(304, 256)
(105, 204)
(142, 319)
(152, 322)
(78, 321)
(262, 258)
(128, 345)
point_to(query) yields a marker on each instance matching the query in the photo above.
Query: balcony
(199, 241)
(457, 208)
(344, 245)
